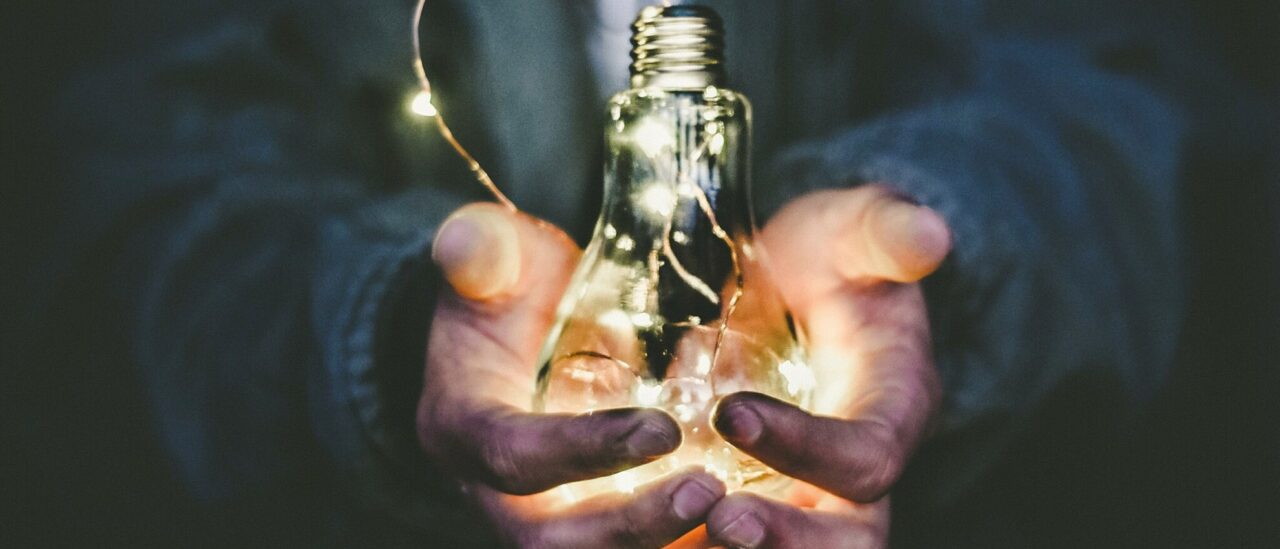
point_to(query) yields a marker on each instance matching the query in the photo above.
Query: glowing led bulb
(421, 104)
(658, 199)
(651, 136)
(652, 316)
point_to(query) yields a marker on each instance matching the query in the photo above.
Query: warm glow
(421, 104)
(626, 243)
(716, 144)
(626, 481)
(653, 137)
(642, 320)
(616, 320)
(647, 394)
(704, 364)
(659, 199)
(566, 494)
(800, 379)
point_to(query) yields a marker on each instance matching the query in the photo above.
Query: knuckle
(812, 450)
(633, 530)
(534, 536)
(597, 435)
(879, 463)
(630, 534)
(501, 465)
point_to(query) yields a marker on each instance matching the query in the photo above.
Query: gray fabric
(278, 202)
(608, 43)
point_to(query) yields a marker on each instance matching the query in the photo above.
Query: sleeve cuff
(374, 300)
(932, 157)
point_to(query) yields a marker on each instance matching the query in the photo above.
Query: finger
(904, 242)
(654, 515)
(751, 521)
(487, 332)
(858, 460)
(477, 249)
(522, 453)
(482, 356)
(487, 252)
(868, 233)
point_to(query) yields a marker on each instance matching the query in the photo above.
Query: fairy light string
(716, 229)
(424, 105)
(476, 169)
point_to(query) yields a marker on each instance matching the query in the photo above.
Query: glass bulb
(672, 306)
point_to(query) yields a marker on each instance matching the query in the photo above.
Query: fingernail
(915, 237)
(477, 250)
(693, 499)
(650, 440)
(932, 232)
(745, 531)
(739, 423)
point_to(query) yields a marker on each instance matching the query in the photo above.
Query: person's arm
(1048, 140)
(228, 191)
(1055, 164)
(287, 310)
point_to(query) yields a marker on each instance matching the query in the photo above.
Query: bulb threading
(677, 47)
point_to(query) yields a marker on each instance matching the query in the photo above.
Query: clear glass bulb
(672, 306)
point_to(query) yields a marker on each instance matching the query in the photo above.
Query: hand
(506, 273)
(851, 260)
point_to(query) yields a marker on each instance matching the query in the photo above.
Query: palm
(850, 261)
(506, 272)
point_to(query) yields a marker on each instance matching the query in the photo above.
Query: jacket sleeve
(1051, 145)
(231, 193)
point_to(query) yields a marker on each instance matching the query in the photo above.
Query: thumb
(901, 241)
(506, 273)
(478, 250)
(865, 234)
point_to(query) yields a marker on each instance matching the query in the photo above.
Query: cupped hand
(506, 272)
(851, 260)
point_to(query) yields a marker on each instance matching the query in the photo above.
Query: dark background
(80, 462)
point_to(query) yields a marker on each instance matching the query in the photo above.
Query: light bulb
(671, 306)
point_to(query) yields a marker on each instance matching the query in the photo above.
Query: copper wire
(704, 204)
(689, 278)
(483, 178)
(595, 354)
(738, 281)
(478, 171)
